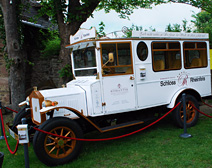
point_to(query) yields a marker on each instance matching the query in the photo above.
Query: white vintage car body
(115, 80)
(99, 94)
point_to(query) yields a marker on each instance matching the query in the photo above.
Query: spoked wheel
(57, 147)
(190, 112)
(192, 115)
(52, 150)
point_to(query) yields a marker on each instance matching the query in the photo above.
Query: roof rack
(145, 34)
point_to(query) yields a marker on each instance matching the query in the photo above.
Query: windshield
(85, 62)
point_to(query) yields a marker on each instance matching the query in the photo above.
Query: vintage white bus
(115, 80)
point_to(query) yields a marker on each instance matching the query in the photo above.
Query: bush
(66, 71)
(52, 47)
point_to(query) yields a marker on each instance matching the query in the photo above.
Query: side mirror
(111, 57)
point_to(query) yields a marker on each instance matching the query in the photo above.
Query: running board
(123, 125)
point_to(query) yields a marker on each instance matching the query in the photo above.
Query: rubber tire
(39, 141)
(17, 120)
(176, 113)
(21, 114)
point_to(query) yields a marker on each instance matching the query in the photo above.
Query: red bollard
(2, 135)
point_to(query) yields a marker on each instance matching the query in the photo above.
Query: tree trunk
(67, 29)
(64, 55)
(15, 53)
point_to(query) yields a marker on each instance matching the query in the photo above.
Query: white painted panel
(119, 93)
(36, 110)
(96, 98)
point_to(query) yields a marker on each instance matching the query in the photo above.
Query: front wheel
(53, 150)
(22, 114)
(192, 115)
(17, 120)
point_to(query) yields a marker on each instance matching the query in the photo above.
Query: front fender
(179, 92)
(174, 98)
(78, 113)
(48, 109)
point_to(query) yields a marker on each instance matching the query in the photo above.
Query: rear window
(195, 54)
(166, 56)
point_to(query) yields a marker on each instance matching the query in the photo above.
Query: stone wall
(40, 72)
(43, 74)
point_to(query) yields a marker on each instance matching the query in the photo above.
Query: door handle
(132, 78)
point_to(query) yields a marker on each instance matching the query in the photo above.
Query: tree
(178, 28)
(203, 4)
(203, 23)
(174, 28)
(70, 14)
(15, 52)
(128, 30)
(101, 32)
(185, 27)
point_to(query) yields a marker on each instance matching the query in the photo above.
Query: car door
(117, 77)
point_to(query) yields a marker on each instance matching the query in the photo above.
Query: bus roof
(84, 35)
(169, 35)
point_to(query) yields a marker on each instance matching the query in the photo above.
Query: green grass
(158, 146)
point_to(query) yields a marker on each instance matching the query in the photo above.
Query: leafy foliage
(174, 28)
(101, 32)
(76, 11)
(126, 7)
(66, 71)
(8, 61)
(2, 29)
(129, 30)
(52, 47)
(203, 23)
(133, 27)
(185, 27)
(72, 11)
(178, 28)
(203, 4)
(70, 14)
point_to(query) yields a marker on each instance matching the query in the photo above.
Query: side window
(195, 54)
(142, 51)
(166, 56)
(122, 59)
